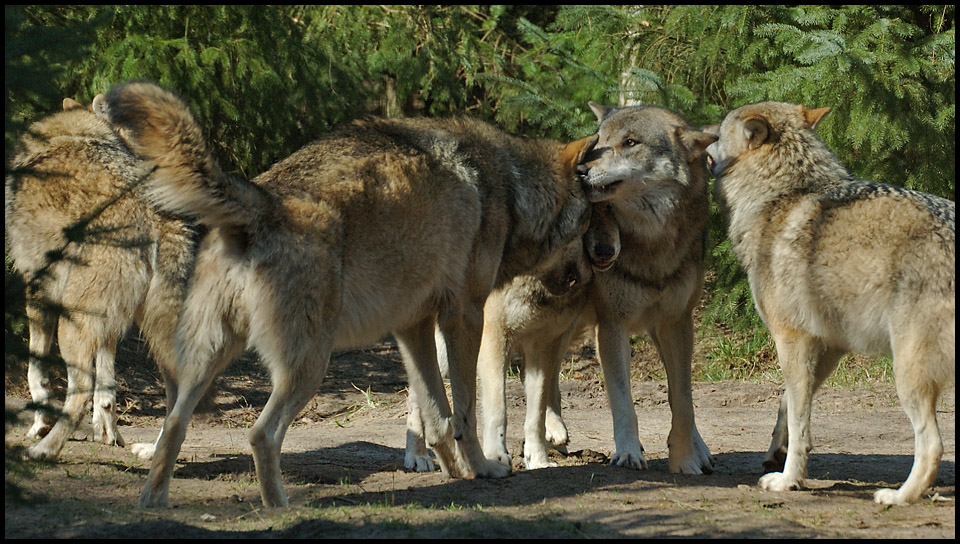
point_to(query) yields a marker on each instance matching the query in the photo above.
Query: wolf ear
(598, 110)
(99, 107)
(695, 141)
(573, 153)
(757, 132)
(812, 117)
(71, 104)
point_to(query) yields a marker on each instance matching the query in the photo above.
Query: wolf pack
(470, 246)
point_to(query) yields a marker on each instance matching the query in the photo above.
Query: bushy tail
(159, 127)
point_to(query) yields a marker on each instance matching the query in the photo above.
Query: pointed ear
(812, 117)
(757, 132)
(99, 107)
(71, 104)
(598, 110)
(573, 153)
(695, 141)
(712, 129)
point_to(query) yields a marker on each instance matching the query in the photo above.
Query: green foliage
(264, 80)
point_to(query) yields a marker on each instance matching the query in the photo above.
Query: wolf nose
(605, 252)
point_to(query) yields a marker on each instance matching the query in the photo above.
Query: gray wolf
(99, 258)
(574, 270)
(382, 225)
(837, 264)
(647, 180)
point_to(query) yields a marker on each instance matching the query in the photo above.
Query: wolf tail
(158, 126)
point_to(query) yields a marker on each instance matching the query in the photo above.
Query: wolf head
(747, 129)
(641, 150)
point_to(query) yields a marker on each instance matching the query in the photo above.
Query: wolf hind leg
(42, 327)
(918, 392)
(295, 380)
(416, 456)
(77, 346)
(105, 395)
(202, 355)
(462, 334)
(419, 354)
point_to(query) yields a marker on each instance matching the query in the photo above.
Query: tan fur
(647, 176)
(837, 264)
(73, 189)
(383, 225)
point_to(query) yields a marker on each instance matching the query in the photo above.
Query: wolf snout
(598, 191)
(602, 256)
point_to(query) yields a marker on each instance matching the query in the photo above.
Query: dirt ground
(343, 467)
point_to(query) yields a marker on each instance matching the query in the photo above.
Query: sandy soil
(343, 467)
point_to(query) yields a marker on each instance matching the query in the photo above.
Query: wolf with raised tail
(382, 225)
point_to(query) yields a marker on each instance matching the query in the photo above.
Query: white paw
(144, 450)
(500, 456)
(632, 458)
(419, 463)
(533, 464)
(778, 481)
(492, 469)
(556, 434)
(40, 452)
(889, 496)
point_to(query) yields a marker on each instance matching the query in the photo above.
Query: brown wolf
(837, 264)
(101, 259)
(648, 178)
(382, 225)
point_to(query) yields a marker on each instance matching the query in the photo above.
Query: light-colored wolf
(648, 177)
(382, 225)
(838, 264)
(98, 258)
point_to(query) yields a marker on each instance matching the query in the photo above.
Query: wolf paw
(419, 463)
(41, 452)
(630, 459)
(535, 463)
(890, 496)
(492, 469)
(694, 459)
(501, 457)
(535, 455)
(556, 432)
(778, 481)
(143, 450)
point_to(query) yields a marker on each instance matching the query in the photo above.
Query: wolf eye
(629, 142)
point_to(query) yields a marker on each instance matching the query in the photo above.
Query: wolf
(381, 225)
(97, 258)
(647, 177)
(561, 288)
(837, 264)
(564, 281)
